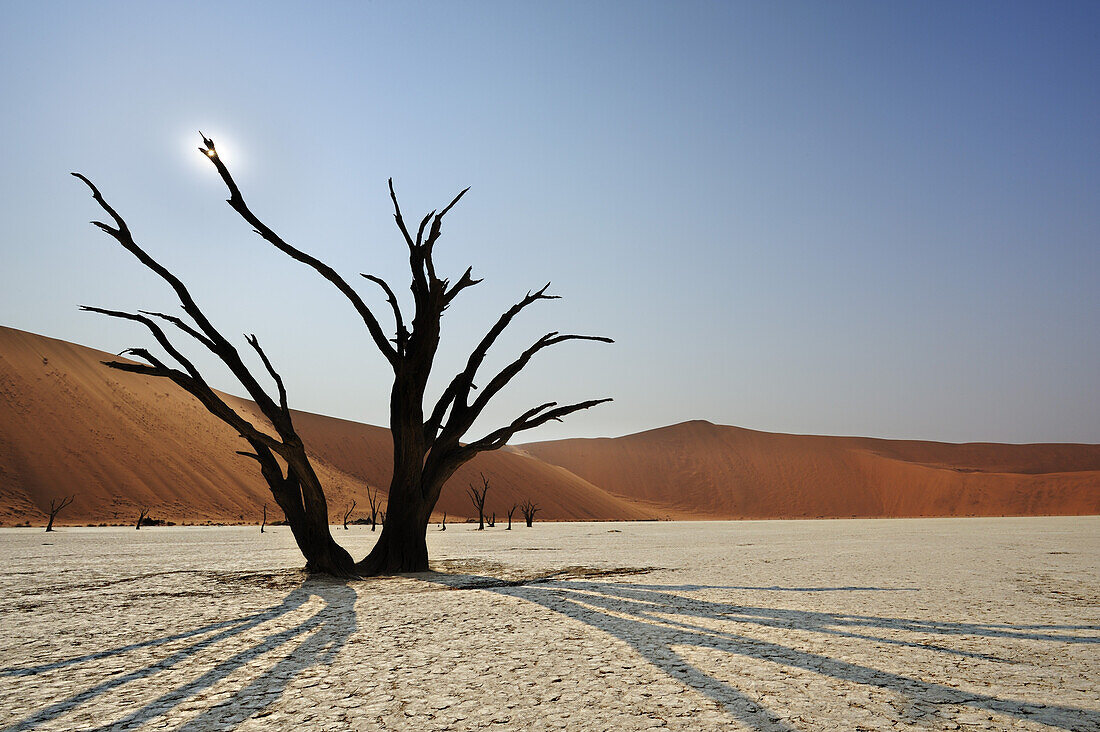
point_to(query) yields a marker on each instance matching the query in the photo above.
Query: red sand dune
(120, 441)
(68, 424)
(730, 472)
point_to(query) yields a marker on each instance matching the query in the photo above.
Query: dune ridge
(732, 472)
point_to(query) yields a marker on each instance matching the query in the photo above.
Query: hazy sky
(871, 218)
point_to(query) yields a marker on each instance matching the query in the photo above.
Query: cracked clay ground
(971, 624)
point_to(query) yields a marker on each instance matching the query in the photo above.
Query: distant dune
(729, 472)
(120, 441)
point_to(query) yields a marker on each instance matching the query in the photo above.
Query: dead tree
(348, 513)
(477, 497)
(297, 490)
(428, 438)
(443, 525)
(511, 511)
(375, 504)
(528, 509)
(141, 517)
(265, 519)
(56, 504)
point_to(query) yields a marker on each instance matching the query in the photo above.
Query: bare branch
(401, 221)
(237, 202)
(463, 282)
(402, 332)
(222, 347)
(182, 325)
(509, 372)
(155, 329)
(255, 343)
(458, 391)
(437, 221)
(529, 420)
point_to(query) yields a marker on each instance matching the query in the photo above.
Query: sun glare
(190, 144)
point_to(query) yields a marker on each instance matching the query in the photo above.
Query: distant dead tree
(141, 517)
(265, 519)
(382, 518)
(56, 504)
(528, 509)
(348, 513)
(429, 442)
(375, 504)
(443, 526)
(511, 511)
(477, 497)
(493, 520)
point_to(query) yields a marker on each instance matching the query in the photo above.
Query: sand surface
(776, 625)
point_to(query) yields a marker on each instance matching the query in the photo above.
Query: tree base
(399, 550)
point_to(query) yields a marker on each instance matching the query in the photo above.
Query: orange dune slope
(729, 472)
(120, 442)
(69, 425)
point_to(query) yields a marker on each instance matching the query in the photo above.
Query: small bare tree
(141, 517)
(348, 513)
(511, 511)
(528, 509)
(375, 504)
(443, 526)
(262, 525)
(56, 504)
(477, 497)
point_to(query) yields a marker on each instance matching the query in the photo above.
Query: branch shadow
(654, 621)
(321, 636)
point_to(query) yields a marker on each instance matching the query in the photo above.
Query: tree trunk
(401, 547)
(308, 521)
(49, 526)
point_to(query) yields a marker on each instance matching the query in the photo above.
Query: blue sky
(878, 219)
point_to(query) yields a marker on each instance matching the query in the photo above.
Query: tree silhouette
(477, 497)
(56, 504)
(375, 502)
(428, 444)
(347, 514)
(528, 509)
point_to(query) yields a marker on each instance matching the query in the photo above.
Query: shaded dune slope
(121, 441)
(730, 472)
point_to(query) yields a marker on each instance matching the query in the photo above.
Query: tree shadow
(321, 636)
(654, 622)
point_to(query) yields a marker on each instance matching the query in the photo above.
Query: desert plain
(958, 623)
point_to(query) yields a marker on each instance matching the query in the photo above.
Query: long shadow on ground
(320, 637)
(654, 620)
